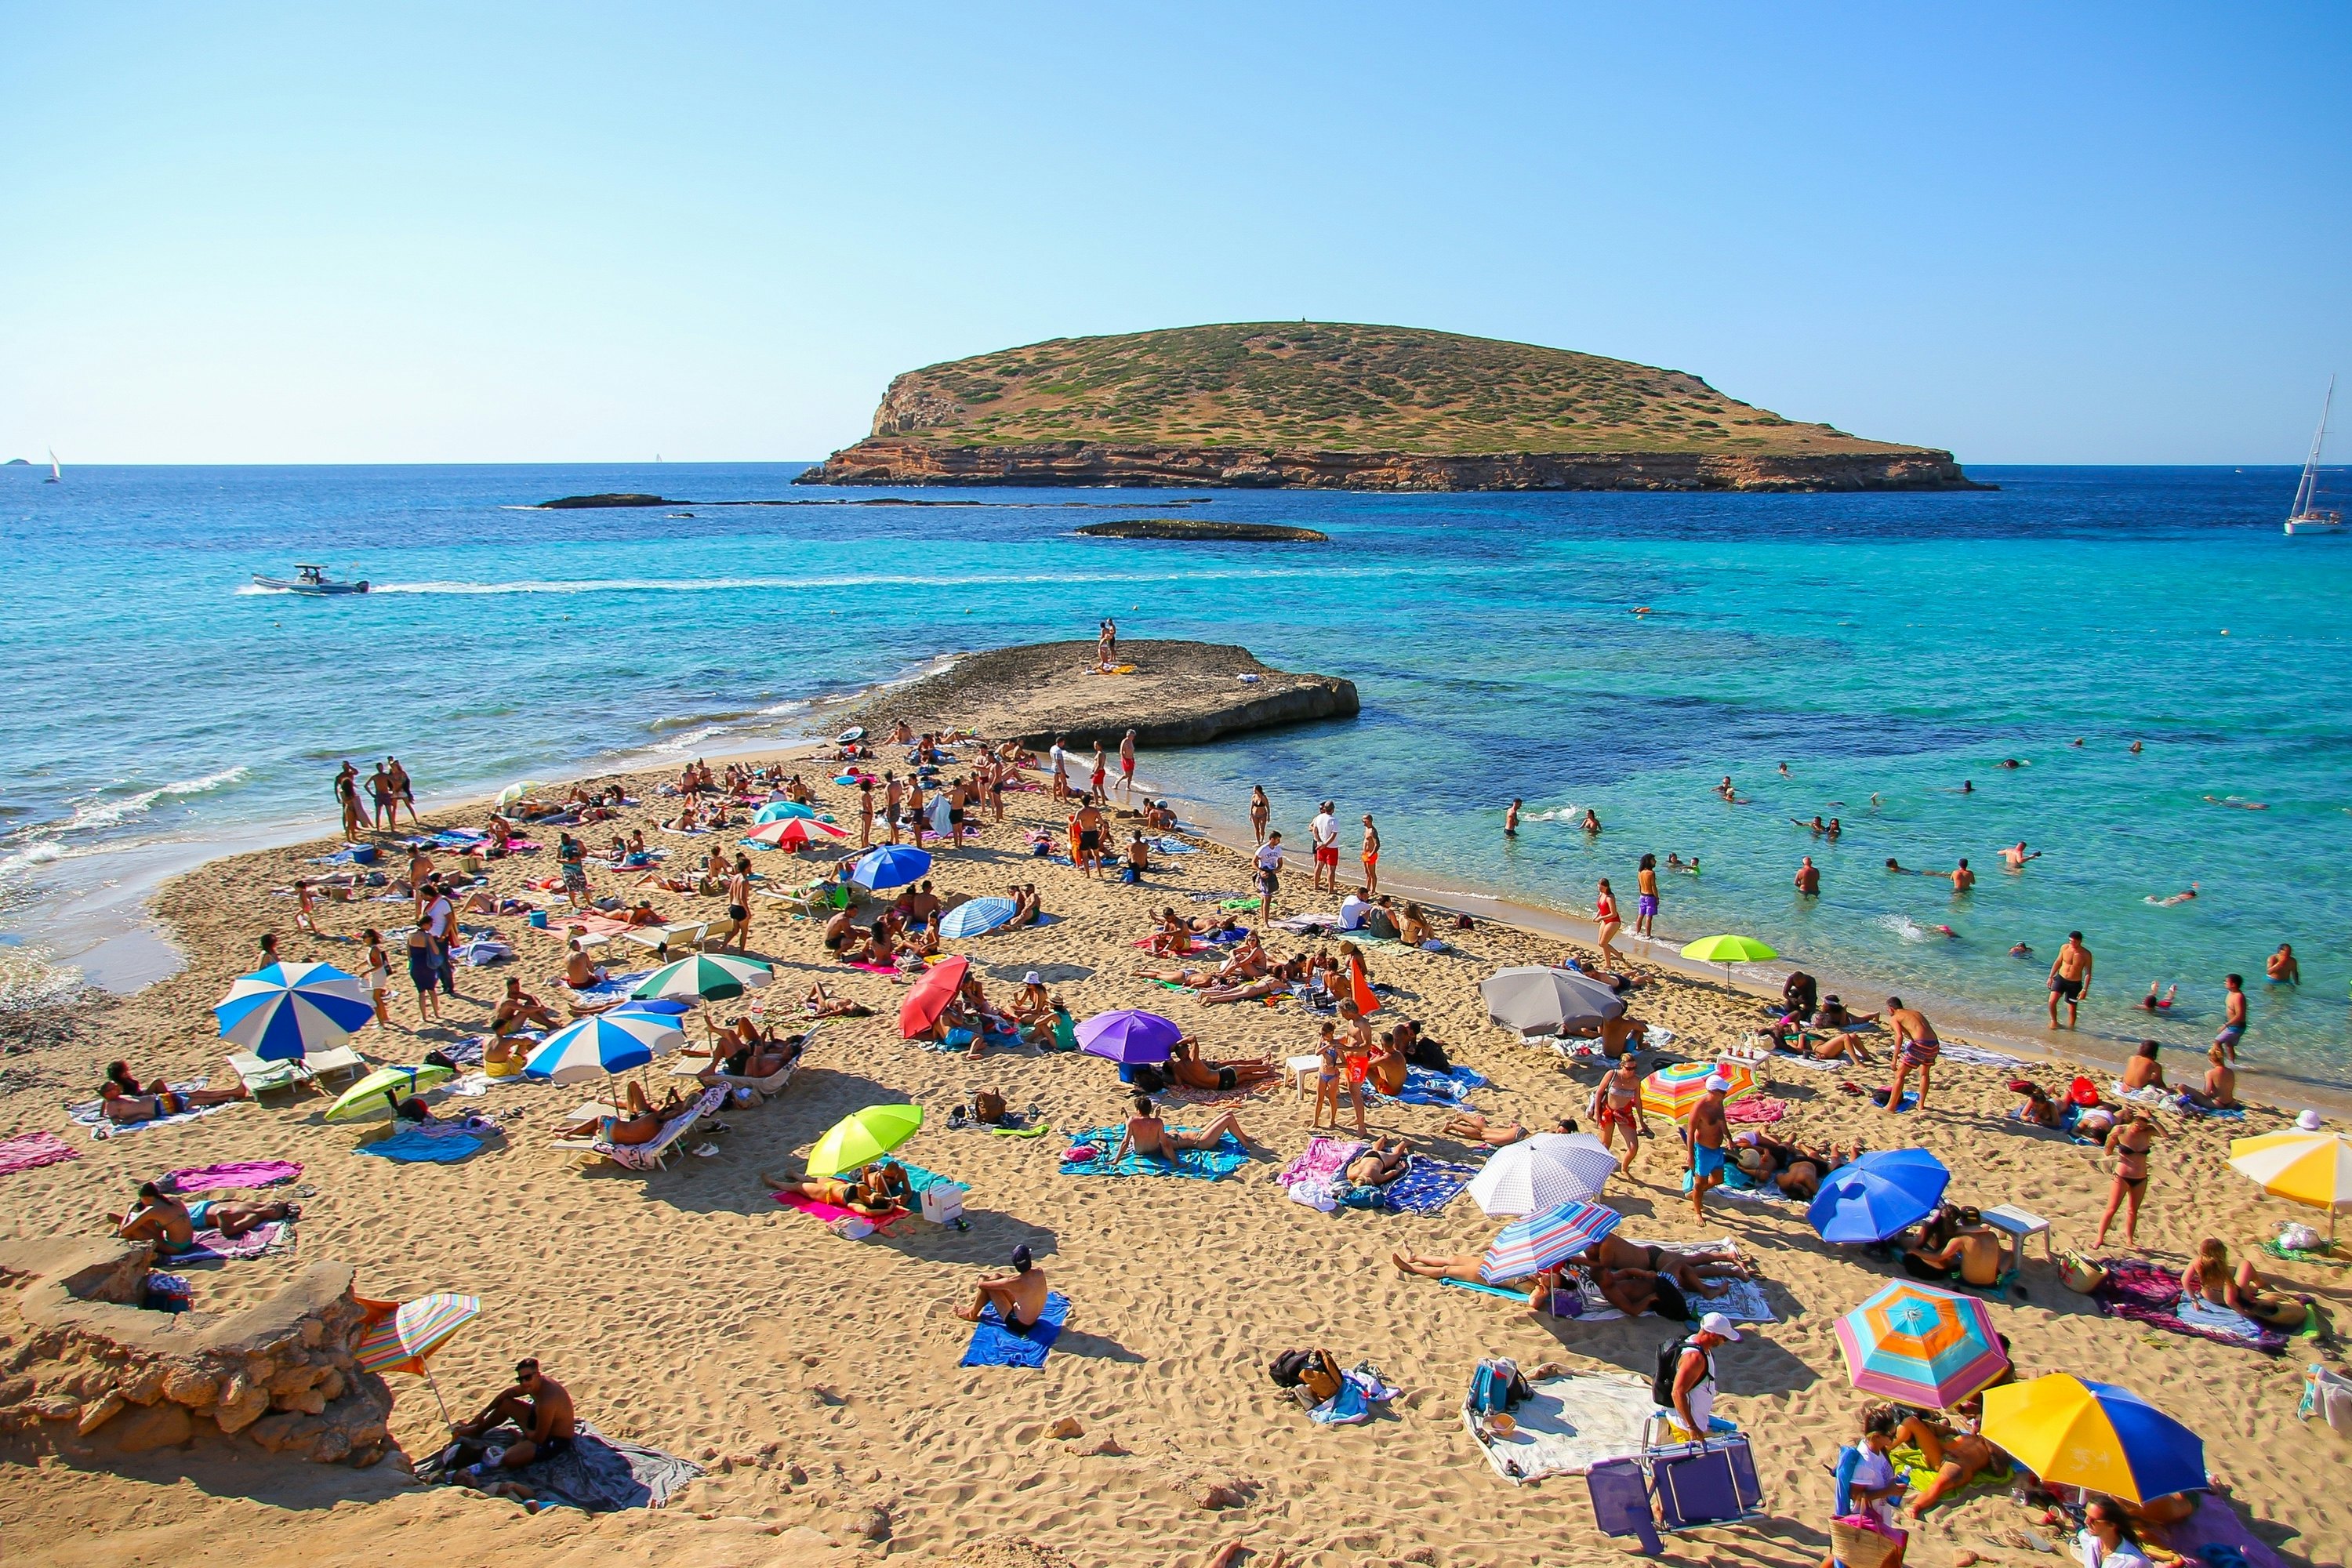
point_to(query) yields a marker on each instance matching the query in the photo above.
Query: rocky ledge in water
(1203, 527)
(1168, 693)
(610, 498)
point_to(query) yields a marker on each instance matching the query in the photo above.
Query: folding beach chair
(1685, 1486)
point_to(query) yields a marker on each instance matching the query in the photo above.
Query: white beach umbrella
(1536, 1000)
(1542, 1172)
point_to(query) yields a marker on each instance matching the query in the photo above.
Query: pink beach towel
(240, 1173)
(1760, 1109)
(827, 1213)
(30, 1151)
(261, 1238)
(2216, 1524)
(1323, 1159)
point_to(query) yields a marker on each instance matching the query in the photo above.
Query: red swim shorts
(1327, 855)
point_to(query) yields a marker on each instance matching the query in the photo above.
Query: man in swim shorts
(2233, 1024)
(2069, 976)
(1019, 1297)
(1709, 1129)
(1127, 767)
(540, 1409)
(1371, 856)
(1323, 833)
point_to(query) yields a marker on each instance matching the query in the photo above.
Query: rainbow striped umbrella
(283, 1011)
(1672, 1091)
(1921, 1345)
(2070, 1431)
(398, 1339)
(1527, 1247)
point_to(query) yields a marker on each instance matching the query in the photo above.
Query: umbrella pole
(437, 1392)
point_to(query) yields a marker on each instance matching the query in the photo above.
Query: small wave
(688, 741)
(40, 852)
(1561, 814)
(107, 813)
(29, 978)
(207, 784)
(1909, 929)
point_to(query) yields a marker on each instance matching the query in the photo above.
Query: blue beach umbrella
(1130, 1036)
(975, 918)
(601, 1046)
(282, 1012)
(777, 810)
(892, 866)
(1878, 1195)
(1527, 1247)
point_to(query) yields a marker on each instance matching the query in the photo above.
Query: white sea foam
(29, 978)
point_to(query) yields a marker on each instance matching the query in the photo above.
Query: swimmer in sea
(2135, 748)
(2010, 762)
(2077, 741)
(2241, 804)
(1728, 795)
(1511, 820)
(1832, 830)
(2174, 899)
(1592, 823)
(1785, 772)
(1967, 786)
(1873, 800)
(2015, 857)
(2153, 1003)
(2020, 950)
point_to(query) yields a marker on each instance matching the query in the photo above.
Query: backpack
(1495, 1387)
(988, 1106)
(1428, 1053)
(1313, 1376)
(1284, 1369)
(1670, 1362)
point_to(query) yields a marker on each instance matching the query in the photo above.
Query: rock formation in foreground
(1338, 407)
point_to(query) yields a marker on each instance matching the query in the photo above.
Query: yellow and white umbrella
(2310, 1168)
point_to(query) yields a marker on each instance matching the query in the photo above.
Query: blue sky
(511, 232)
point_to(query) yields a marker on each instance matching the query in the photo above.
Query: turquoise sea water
(1890, 644)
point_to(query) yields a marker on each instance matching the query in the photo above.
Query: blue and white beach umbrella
(976, 917)
(892, 866)
(283, 1011)
(601, 1045)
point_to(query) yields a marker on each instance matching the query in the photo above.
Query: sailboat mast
(2306, 491)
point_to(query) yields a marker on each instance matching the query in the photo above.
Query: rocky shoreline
(899, 460)
(1170, 694)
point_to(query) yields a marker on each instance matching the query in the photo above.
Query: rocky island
(1168, 693)
(1323, 405)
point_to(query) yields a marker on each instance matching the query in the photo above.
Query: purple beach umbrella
(1130, 1036)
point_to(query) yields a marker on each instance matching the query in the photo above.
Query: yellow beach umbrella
(2072, 1432)
(863, 1136)
(2310, 1168)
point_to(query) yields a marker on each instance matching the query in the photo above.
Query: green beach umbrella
(377, 1093)
(863, 1136)
(1728, 950)
(712, 977)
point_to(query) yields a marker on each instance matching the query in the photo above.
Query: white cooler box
(942, 1202)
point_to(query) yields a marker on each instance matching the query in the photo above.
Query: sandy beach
(818, 1377)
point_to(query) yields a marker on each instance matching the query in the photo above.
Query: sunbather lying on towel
(171, 1225)
(1187, 1068)
(1464, 1267)
(1795, 1168)
(1147, 1135)
(540, 1409)
(1476, 1129)
(1634, 1291)
(117, 1105)
(1019, 1297)
(869, 1194)
(1690, 1268)
(1382, 1163)
(821, 1002)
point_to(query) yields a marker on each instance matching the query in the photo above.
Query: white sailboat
(56, 473)
(2306, 517)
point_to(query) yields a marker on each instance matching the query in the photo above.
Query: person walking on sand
(2069, 978)
(1261, 810)
(1916, 1045)
(403, 791)
(1616, 1106)
(1645, 902)
(2128, 1139)
(1606, 923)
(2233, 1022)
(1323, 836)
(1100, 773)
(865, 812)
(386, 807)
(1709, 1129)
(1511, 819)
(1808, 878)
(1372, 857)
(1126, 768)
(1061, 760)
(1269, 877)
(739, 905)
(1694, 1387)
(347, 800)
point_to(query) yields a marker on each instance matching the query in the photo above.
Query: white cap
(2308, 1122)
(1718, 1084)
(1716, 1323)
(1031, 979)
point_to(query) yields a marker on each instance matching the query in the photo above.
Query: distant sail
(2306, 517)
(56, 473)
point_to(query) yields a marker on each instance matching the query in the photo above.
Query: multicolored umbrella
(793, 831)
(2070, 1431)
(1527, 1247)
(2311, 1168)
(1130, 1036)
(975, 918)
(712, 977)
(1921, 1345)
(283, 1011)
(399, 1338)
(1543, 1173)
(1672, 1091)
(377, 1093)
(930, 997)
(603, 1045)
(1878, 1195)
(863, 1136)
(517, 791)
(780, 810)
(892, 866)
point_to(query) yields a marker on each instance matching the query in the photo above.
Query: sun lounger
(341, 1062)
(651, 1156)
(661, 939)
(261, 1078)
(694, 1064)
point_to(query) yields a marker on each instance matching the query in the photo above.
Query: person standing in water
(2233, 1022)
(1645, 908)
(1511, 819)
(1808, 878)
(1962, 878)
(1261, 810)
(2016, 857)
(2069, 977)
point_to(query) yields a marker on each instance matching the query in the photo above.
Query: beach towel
(2147, 1294)
(1738, 1183)
(1911, 1464)
(1568, 1425)
(596, 1474)
(1910, 1099)
(432, 1143)
(1203, 1164)
(1424, 1087)
(2214, 1113)
(1977, 1056)
(31, 1150)
(91, 1113)
(241, 1174)
(1427, 1186)
(826, 1213)
(993, 1345)
(1507, 1294)
(2279, 1249)
(2214, 1535)
(212, 1245)
(1320, 1160)
(1763, 1109)
(1744, 1302)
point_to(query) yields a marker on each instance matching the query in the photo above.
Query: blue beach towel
(1423, 1086)
(1206, 1164)
(993, 1346)
(425, 1145)
(1520, 1296)
(923, 1181)
(1427, 1186)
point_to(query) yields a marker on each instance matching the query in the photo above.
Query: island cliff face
(1324, 406)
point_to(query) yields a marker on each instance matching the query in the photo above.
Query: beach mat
(826, 1214)
(91, 1113)
(1205, 1165)
(1427, 1186)
(992, 1345)
(1423, 1086)
(1744, 1302)
(596, 1474)
(237, 1174)
(1570, 1424)
(31, 1150)
(444, 1143)
(213, 1247)
(2147, 1294)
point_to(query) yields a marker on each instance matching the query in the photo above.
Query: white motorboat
(308, 580)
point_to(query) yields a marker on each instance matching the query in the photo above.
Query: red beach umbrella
(930, 997)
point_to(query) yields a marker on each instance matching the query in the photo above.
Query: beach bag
(1319, 1377)
(1428, 1053)
(1348, 1195)
(1661, 1380)
(2301, 1239)
(2079, 1274)
(988, 1106)
(2328, 1397)
(1286, 1368)
(1859, 1540)
(1495, 1385)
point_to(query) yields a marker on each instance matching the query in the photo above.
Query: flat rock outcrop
(1176, 694)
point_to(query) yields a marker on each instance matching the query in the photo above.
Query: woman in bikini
(2129, 1141)
(1261, 811)
(1604, 914)
(1617, 1104)
(2208, 1278)
(1332, 1077)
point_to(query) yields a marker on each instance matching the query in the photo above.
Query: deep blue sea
(1884, 647)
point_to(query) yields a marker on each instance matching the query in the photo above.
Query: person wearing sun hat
(1708, 1131)
(1694, 1386)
